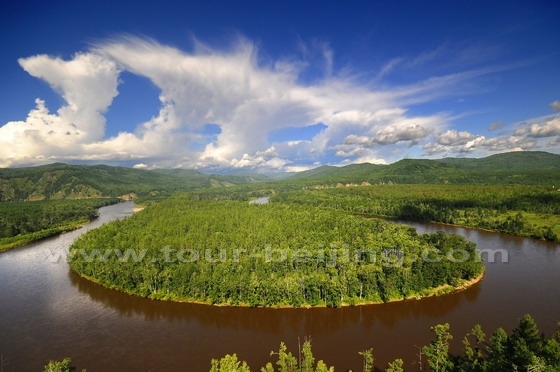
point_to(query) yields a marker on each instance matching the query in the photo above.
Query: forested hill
(63, 181)
(523, 167)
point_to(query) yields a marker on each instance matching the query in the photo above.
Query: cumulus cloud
(391, 134)
(555, 105)
(235, 91)
(454, 138)
(88, 84)
(535, 134)
(453, 141)
(550, 128)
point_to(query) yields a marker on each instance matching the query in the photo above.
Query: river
(48, 312)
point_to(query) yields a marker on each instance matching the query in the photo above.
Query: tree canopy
(231, 252)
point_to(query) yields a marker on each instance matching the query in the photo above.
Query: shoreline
(452, 225)
(445, 289)
(42, 235)
(49, 233)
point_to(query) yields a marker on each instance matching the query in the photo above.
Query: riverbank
(427, 293)
(447, 288)
(21, 240)
(64, 216)
(532, 220)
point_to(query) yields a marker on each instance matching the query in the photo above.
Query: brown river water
(48, 312)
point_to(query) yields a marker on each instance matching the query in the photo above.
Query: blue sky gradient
(275, 86)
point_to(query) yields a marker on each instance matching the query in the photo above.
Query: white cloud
(261, 160)
(244, 97)
(550, 128)
(555, 105)
(454, 138)
(535, 134)
(88, 84)
(412, 133)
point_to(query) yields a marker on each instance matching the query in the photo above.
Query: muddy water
(47, 312)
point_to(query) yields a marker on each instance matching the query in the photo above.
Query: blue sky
(275, 86)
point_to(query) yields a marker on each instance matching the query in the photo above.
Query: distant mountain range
(63, 181)
(523, 167)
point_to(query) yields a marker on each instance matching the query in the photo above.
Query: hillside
(62, 181)
(518, 161)
(524, 167)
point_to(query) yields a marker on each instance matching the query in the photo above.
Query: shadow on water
(272, 320)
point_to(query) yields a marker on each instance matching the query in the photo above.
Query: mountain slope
(511, 162)
(63, 181)
(526, 167)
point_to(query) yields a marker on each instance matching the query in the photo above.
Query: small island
(273, 255)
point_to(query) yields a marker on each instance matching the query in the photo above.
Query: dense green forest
(231, 252)
(531, 211)
(23, 222)
(524, 349)
(38, 202)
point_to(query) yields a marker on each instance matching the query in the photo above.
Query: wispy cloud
(248, 99)
(495, 125)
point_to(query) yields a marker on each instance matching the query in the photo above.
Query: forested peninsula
(235, 253)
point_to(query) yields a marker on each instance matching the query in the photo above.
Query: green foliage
(64, 365)
(395, 366)
(368, 359)
(497, 353)
(288, 363)
(525, 343)
(22, 222)
(531, 211)
(526, 349)
(228, 252)
(437, 351)
(473, 358)
(229, 363)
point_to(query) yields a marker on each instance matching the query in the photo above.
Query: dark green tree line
(22, 222)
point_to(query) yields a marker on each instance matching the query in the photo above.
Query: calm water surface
(47, 312)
